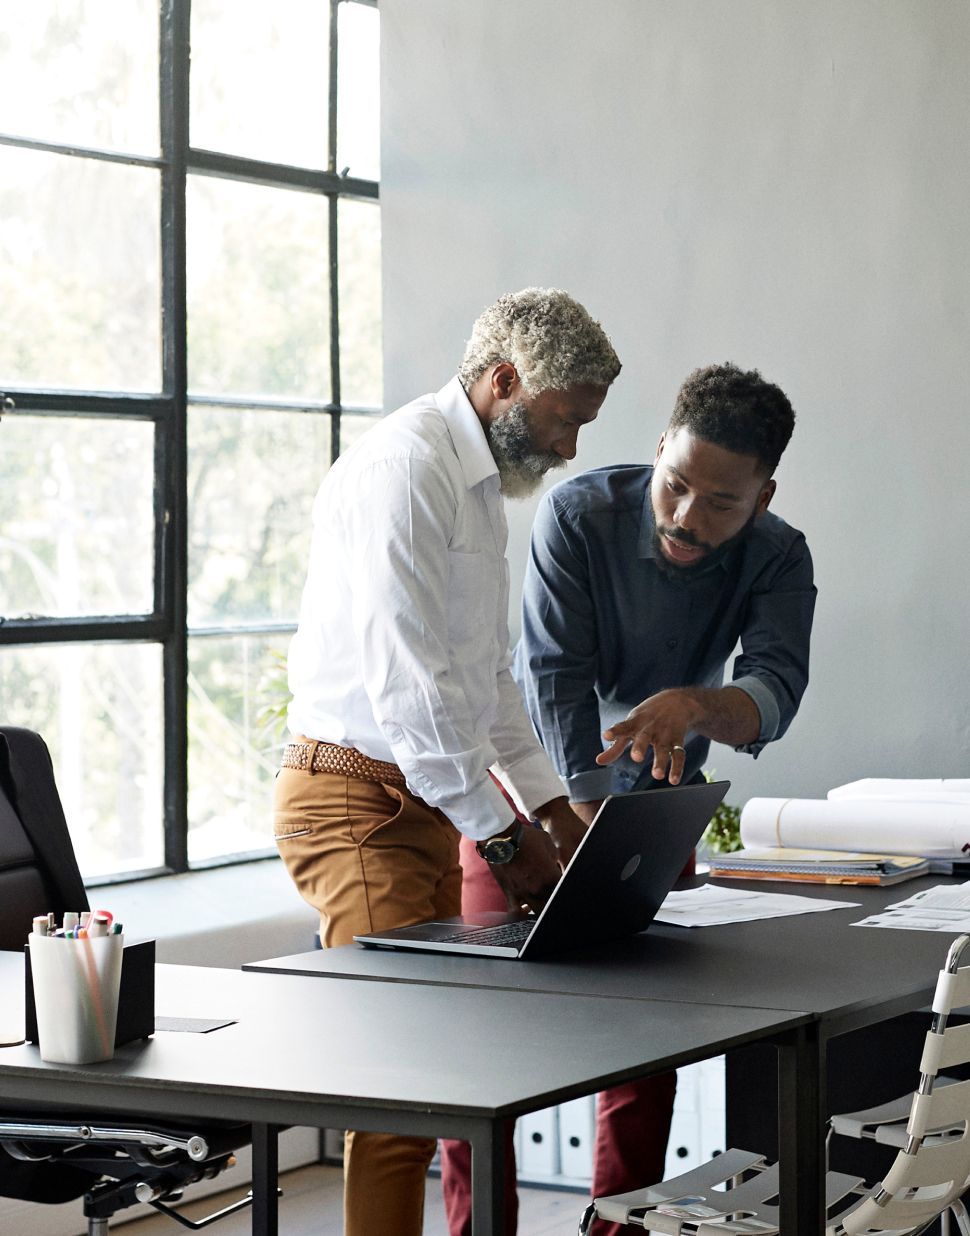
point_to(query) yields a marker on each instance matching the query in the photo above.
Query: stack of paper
(906, 816)
(944, 908)
(710, 906)
(817, 866)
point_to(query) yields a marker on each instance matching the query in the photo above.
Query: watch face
(499, 851)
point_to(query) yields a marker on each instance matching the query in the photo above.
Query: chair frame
(737, 1192)
(114, 1164)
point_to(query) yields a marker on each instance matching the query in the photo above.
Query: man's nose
(685, 513)
(566, 446)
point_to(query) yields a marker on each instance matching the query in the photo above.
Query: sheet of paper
(909, 789)
(945, 907)
(711, 905)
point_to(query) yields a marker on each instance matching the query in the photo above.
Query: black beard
(684, 574)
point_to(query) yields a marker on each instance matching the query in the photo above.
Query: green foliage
(271, 715)
(723, 834)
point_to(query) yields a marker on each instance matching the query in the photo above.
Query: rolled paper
(936, 829)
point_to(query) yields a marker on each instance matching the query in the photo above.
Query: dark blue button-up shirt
(604, 628)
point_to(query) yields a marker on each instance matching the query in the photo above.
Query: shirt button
(672, 643)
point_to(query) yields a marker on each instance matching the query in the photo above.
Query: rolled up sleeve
(772, 667)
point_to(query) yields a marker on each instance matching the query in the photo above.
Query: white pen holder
(76, 984)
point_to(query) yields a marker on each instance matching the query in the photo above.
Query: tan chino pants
(369, 857)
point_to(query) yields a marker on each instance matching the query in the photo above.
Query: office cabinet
(556, 1145)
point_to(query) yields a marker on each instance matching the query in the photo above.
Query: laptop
(625, 866)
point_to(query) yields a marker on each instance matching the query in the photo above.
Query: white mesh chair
(738, 1192)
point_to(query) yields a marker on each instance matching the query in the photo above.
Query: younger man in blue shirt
(642, 580)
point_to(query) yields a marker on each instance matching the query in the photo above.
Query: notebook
(613, 887)
(817, 866)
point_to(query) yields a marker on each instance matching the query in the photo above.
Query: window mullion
(173, 565)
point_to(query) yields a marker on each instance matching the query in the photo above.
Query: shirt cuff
(481, 813)
(591, 786)
(531, 781)
(767, 707)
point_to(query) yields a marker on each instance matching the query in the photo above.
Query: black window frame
(167, 624)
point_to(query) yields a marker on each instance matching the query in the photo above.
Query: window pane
(79, 273)
(361, 372)
(99, 709)
(252, 478)
(76, 517)
(358, 91)
(81, 74)
(259, 79)
(237, 701)
(258, 298)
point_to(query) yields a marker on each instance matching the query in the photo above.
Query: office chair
(737, 1191)
(53, 1156)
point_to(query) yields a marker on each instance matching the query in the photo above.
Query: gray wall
(781, 185)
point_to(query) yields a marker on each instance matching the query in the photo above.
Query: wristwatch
(500, 850)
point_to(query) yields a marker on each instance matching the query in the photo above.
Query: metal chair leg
(589, 1214)
(959, 1212)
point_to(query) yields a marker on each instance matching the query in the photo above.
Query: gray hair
(550, 338)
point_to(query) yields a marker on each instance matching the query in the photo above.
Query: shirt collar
(467, 433)
(646, 545)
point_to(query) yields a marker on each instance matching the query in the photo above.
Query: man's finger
(613, 751)
(640, 746)
(678, 757)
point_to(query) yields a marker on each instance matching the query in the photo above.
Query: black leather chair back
(38, 870)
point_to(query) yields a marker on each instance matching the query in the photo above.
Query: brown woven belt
(326, 757)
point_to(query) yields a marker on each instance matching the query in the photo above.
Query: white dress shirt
(402, 645)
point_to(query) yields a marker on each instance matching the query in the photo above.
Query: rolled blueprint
(932, 826)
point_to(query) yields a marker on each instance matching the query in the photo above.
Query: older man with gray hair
(402, 696)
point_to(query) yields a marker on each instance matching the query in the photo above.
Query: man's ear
(660, 448)
(764, 498)
(504, 380)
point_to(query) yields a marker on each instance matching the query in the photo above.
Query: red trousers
(632, 1121)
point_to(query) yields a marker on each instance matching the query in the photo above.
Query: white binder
(576, 1137)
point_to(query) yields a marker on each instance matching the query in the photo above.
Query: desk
(378, 1056)
(844, 977)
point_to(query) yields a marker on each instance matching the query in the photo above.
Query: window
(189, 327)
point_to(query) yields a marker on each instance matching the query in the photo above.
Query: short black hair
(736, 409)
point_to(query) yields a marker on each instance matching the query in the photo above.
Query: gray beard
(521, 468)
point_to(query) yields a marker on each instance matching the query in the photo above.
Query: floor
(311, 1206)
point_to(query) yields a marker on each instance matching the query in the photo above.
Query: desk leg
(265, 1180)
(801, 1141)
(488, 1178)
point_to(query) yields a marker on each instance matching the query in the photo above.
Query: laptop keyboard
(505, 933)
